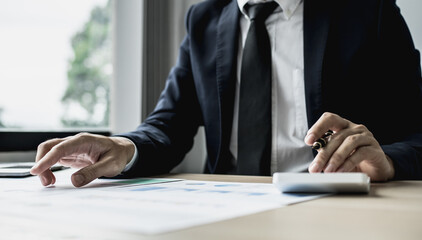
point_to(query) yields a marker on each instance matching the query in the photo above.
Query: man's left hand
(352, 148)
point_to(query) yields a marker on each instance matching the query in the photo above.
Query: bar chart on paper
(145, 206)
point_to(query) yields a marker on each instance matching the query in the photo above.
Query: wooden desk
(392, 210)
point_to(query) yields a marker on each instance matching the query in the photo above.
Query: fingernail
(78, 180)
(44, 181)
(32, 171)
(309, 139)
(313, 167)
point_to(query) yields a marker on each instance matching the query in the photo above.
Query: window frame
(126, 87)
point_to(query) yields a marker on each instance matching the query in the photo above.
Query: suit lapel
(316, 26)
(226, 62)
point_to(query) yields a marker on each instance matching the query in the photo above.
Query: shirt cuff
(133, 160)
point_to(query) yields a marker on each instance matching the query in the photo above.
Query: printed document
(145, 206)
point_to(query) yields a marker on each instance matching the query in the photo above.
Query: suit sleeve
(164, 138)
(404, 59)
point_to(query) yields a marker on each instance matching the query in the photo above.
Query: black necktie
(254, 129)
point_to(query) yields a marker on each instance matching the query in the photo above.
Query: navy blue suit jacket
(360, 63)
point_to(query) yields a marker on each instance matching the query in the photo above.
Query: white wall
(411, 11)
(126, 92)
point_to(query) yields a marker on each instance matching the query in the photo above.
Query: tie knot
(260, 11)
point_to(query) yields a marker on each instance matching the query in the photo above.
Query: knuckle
(352, 139)
(90, 138)
(83, 136)
(361, 128)
(365, 131)
(327, 115)
(42, 146)
(330, 115)
(47, 144)
(57, 148)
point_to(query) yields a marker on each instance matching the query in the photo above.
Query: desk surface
(391, 210)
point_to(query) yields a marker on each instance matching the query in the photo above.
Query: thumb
(90, 173)
(79, 179)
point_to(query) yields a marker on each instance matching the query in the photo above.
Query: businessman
(266, 80)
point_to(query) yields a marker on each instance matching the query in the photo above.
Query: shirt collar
(288, 6)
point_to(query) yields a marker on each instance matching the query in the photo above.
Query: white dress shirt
(289, 120)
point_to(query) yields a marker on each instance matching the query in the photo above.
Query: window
(410, 10)
(56, 61)
(67, 66)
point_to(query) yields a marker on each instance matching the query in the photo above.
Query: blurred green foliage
(86, 98)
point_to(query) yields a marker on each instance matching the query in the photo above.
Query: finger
(328, 121)
(47, 178)
(354, 160)
(107, 166)
(70, 146)
(325, 153)
(346, 149)
(46, 146)
(335, 141)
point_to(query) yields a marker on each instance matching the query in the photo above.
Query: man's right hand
(95, 155)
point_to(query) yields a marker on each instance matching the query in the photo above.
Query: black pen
(322, 142)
